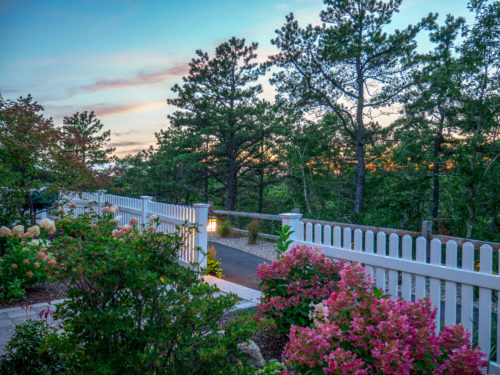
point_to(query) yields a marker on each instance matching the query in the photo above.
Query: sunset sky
(120, 58)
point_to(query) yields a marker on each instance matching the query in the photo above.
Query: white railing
(169, 215)
(462, 286)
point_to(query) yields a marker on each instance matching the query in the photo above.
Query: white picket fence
(404, 267)
(170, 216)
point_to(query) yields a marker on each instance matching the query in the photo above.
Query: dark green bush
(225, 228)
(28, 353)
(133, 309)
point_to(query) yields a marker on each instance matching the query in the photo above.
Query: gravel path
(263, 249)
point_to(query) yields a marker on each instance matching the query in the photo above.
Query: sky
(120, 58)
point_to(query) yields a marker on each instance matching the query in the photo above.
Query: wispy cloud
(139, 80)
(111, 110)
(125, 144)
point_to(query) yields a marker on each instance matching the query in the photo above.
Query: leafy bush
(284, 240)
(132, 308)
(213, 264)
(301, 277)
(27, 352)
(273, 368)
(25, 261)
(357, 330)
(253, 231)
(225, 228)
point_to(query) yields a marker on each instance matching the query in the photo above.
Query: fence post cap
(290, 215)
(147, 197)
(201, 205)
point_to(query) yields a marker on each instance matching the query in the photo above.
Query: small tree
(84, 145)
(347, 66)
(28, 150)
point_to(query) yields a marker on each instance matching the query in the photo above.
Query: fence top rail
(248, 214)
(401, 232)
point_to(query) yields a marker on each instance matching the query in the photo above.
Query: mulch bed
(270, 343)
(38, 294)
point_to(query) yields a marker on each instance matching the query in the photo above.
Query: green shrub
(253, 231)
(225, 228)
(25, 262)
(273, 368)
(28, 352)
(213, 264)
(133, 309)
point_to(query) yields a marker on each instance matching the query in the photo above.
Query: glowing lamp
(212, 225)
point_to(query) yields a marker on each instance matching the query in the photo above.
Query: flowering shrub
(359, 331)
(302, 277)
(132, 308)
(26, 260)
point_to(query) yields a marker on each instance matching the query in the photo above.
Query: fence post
(292, 220)
(200, 238)
(100, 203)
(145, 207)
(427, 229)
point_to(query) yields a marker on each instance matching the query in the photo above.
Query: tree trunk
(360, 149)
(232, 187)
(261, 190)
(435, 174)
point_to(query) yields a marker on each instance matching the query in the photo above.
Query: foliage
(273, 368)
(38, 160)
(357, 330)
(301, 277)
(284, 241)
(132, 308)
(25, 261)
(346, 66)
(86, 143)
(219, 104)
(213, 264)
(253, 231)
(27, 352)
(224, 229)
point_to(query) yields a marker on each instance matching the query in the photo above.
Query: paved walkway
(12, 316)
(237, 266)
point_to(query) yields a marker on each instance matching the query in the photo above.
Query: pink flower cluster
(303, 276)
(357, 331)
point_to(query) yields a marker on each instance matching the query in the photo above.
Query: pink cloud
(139, 80)
(112, 110)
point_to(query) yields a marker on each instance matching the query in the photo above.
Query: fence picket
(309, 234)
(466, 311)
(300, 234)
(450, 307)
(484, 326)
(358, 240)
(347, 238)
(336, 236)
(435, 284)
(406, 277)
(380, 272)
(317, 234)
(369, 249)
(421, 252)
(393, 275)
(327, 235)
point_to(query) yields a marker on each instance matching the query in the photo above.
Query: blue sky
(120, 58)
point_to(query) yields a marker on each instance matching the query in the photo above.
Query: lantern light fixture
(212, 224)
